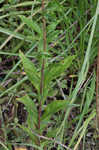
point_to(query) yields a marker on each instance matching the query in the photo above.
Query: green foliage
(54, 107)
(31, 24)
(32, 119)
(71, 53)
(88, 100)
(57, 69)
(16, 35)
(31, 71)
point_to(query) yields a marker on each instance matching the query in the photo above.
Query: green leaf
(32, 118)
(52, 26)
(31, 24)
(90, 95)
(16, 35)
(55, 70)
(30, 70)
(51, 132)
(54, 107)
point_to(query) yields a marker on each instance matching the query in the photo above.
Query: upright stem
(43, 64)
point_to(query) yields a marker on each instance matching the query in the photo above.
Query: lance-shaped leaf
(32, 118)
(31, 71)
(55, 70)
(31, 24)
(54, 107)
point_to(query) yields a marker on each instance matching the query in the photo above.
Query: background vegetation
(48, 74)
